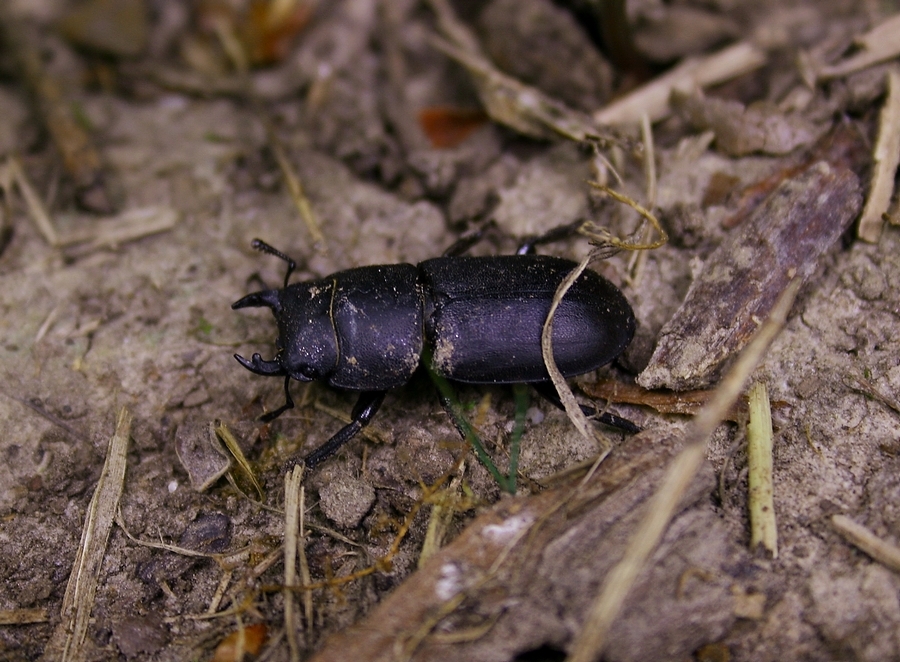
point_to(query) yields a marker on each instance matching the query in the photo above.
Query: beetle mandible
(479, 319)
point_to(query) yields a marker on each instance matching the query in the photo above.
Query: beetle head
(307, 346)
(268, 299)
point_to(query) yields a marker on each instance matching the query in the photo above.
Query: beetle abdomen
(484, 316)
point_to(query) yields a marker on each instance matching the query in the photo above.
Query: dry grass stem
(879, 44)
(868, 542)
(224, 433)
(22, 616)
(573, 409)
(37, 210)
(128, 226)
(639, 258)
(886, 156)
(759, 451)
(653, 98)
(67, 642)
(298, 194)
(292, 489)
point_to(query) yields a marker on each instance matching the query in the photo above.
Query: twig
(507, 100)
(869, 389)
(38, 409)
(80, 158)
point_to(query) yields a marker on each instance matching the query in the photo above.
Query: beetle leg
(288, 401)
(558, 233)
(366, 407)
(468, 239)
(548, 392)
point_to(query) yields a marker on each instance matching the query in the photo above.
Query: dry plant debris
(384, 131)
(79, 155)
(781, 241)
(868, 542)
(763, 529)
(887, 156)
(67, 642)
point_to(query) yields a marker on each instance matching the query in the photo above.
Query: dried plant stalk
(759, 451)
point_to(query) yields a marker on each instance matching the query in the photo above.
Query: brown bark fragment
(843, 146)
(744, 277)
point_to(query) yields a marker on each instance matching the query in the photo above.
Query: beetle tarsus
(366, 407)
(611, 420)
(288, 402)
(548, 392)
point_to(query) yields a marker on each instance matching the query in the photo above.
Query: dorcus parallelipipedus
(479, 319)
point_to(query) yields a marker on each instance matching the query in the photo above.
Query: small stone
(346, 500)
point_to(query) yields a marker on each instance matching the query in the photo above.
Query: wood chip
(743, 278)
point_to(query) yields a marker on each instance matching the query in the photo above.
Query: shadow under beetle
(477, 319)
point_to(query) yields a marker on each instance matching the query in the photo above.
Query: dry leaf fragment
(241, 642)
(448, 127)
(686, 403)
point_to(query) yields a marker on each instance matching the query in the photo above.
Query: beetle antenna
(263, 247)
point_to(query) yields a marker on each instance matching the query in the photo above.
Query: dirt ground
(199, 116)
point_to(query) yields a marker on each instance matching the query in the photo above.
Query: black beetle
(478, 318)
